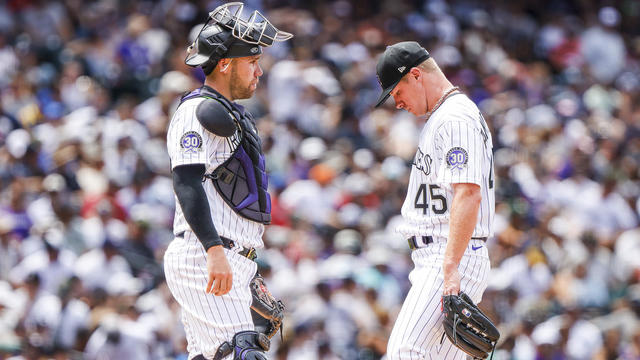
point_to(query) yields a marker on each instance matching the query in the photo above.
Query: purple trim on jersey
(191, 95)
(247, 165)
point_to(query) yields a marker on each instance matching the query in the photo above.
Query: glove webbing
(456, 321)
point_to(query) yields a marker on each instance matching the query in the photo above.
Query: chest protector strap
(241, 180)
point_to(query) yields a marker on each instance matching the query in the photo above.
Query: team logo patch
(466, 312)
(457, 158)
(191, 142)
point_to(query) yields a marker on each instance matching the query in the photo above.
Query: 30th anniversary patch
(191, 142)
(457, 158)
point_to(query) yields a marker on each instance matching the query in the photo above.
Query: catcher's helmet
(227, 35)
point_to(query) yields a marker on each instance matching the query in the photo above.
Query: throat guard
(241, 180)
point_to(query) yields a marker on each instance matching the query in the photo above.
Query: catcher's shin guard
(246, 345)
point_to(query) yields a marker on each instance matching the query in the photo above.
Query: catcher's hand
(266, 311)
(468, 327)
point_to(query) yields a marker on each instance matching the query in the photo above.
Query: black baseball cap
(395, 62)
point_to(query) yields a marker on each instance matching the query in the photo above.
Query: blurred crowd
(86, 202)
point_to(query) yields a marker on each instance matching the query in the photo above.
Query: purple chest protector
(241, 180)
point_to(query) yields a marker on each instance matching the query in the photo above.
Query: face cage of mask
(256, 30)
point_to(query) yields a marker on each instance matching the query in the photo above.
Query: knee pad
(250, 345)
(246, 345)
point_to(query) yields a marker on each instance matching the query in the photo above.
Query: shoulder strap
(209, 93)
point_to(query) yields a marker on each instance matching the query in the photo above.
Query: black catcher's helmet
(227, 35)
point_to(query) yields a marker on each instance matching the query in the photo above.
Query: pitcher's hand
(451, 284)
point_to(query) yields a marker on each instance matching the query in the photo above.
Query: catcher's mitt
(468, 327)
(266, 311)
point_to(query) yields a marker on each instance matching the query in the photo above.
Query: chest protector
(241, 180)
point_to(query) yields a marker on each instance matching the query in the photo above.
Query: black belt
(427, 239)
(249, 253)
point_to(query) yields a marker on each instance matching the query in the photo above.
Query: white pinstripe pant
(208, 320)
(417, 331)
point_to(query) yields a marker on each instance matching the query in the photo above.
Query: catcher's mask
(227, 35)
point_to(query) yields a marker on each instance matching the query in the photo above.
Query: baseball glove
(267, 312)
(467, 327)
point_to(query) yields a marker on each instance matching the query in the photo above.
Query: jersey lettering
(423, 162)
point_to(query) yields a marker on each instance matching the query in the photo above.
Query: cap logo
(254, 49)
(402, 68)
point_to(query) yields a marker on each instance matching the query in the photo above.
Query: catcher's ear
(224, 64)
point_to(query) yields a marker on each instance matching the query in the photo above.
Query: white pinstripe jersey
(455, 147)
(189, 143)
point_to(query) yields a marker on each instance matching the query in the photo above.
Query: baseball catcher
(467, 327)
(221, 189)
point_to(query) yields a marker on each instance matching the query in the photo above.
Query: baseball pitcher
(448, 211)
